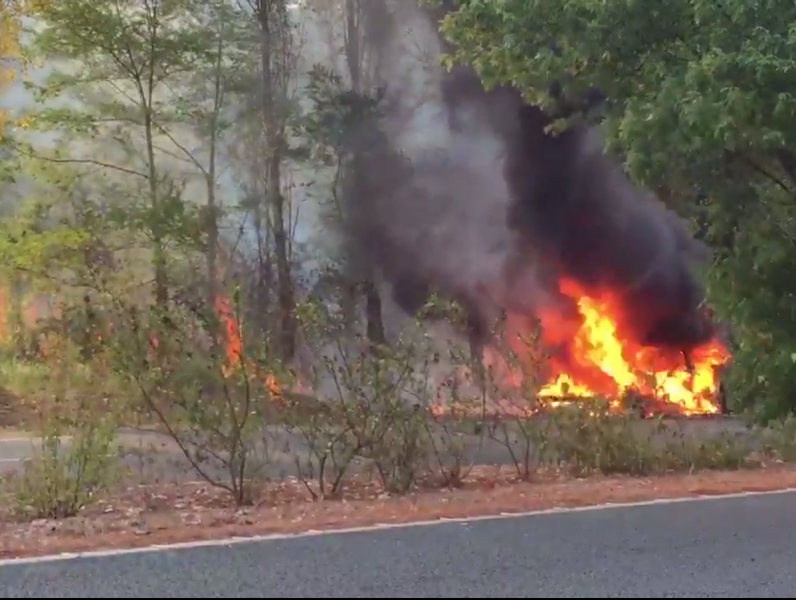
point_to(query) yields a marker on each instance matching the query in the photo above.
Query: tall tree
(111, 99)
(356, 16)
(11, 12)
(277, 68)
(346, 100)
(206, 104)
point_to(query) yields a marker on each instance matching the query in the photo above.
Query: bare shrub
(75, 456)
(452, 428)
(521, 422)
(371, 404)
(197, 371)
(452, 393)
(73, 463)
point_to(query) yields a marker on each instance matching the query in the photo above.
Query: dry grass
(148, 515)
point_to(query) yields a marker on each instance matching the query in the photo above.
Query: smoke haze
(436, 212)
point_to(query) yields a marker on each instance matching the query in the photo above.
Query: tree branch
(788, 163)
(760, 170)
(82, 161)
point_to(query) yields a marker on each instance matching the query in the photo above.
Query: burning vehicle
(467, 193)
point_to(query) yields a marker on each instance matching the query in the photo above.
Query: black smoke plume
(464, 192)
(579, 211)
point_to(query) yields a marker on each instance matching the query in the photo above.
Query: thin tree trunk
(287, 329)
(373, 305)
(211, 255)
(264, 278)
(16, 318)
(146, 91)
(373, 314)
(158, 251)
(275, 134)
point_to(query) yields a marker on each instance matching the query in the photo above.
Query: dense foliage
(702, 100)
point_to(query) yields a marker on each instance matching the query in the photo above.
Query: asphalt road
(719, 548)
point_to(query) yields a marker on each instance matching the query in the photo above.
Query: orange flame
(599, 362)
(232, 334)
(234, 345)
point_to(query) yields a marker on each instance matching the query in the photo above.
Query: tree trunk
(264, 279)
(287, 326)
(270, 29)
(210, 182)
(211, 254)
(158, 252)
(475, 339)
(373, 312)
(375, 324)
(16, 318)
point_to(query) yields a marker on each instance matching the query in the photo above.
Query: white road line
(374, 528)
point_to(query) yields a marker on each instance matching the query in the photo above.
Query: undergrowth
(403, 413)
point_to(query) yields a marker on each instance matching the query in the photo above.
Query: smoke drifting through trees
(436, 213)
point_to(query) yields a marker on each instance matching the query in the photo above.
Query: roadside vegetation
(153, 277)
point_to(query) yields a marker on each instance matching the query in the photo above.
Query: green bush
(594, 439)
(71, 466)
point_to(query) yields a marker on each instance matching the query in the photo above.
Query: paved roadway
(740, 547)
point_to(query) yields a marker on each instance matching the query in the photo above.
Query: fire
(234, 345)
(593, 359)
(233, 335)
(590, 358)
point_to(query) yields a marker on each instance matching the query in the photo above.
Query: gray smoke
(432, 213)
(466, 195)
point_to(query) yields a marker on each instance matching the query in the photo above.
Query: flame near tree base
(588, 357)
(591, 360)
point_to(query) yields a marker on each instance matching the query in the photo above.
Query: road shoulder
(168, 514)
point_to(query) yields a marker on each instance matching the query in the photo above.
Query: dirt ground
(149, 515)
